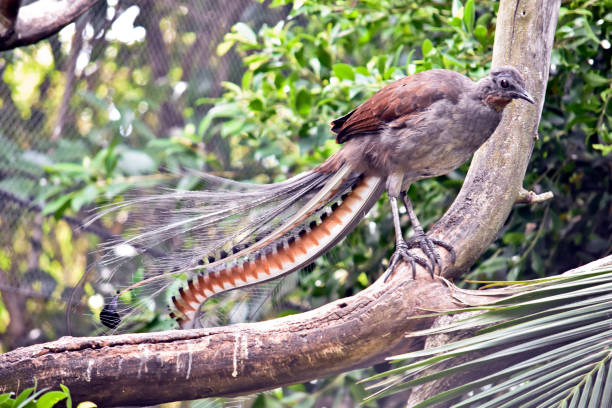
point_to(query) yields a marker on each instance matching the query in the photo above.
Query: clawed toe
(427, 245)
(402, 253)
(449, 248)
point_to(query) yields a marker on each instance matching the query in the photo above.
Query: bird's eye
(504, 83)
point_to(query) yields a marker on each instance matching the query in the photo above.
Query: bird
(240, 234)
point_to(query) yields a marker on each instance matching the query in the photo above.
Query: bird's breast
(441, 139)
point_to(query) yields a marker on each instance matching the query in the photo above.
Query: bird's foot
(425, 244)
(402, 253)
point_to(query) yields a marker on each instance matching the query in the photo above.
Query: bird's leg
(402, 248)
(425, 243)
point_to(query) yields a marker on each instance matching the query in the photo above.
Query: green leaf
(595, 79)
(324, 57)
(303, 102)
(71, 169)
(427, 47)
(457, 9)
(468, 15)
(344, 71)
(225, 46)
(455, 22)
(363, 279)
(514, 238)
(110, 156)
(480, 32)
(260, 401)
(69, 398)
(58, 205)
(25, 399)
(136, 162)
(232, 127)
(605, 149)
(256, 105)
(84, 196)
(49, 399)
(222, 110)
(245, 32)
(5, 397)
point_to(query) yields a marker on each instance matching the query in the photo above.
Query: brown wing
(397, 102)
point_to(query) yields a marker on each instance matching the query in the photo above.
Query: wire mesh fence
(135, 71)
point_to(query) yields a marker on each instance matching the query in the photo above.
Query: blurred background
(135, 93)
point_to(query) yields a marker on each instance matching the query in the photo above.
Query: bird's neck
(485, 94)
(496, 102)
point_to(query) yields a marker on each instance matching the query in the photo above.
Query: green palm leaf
(557, 332)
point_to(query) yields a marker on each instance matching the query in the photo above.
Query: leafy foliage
(550, 340)
(31, 398)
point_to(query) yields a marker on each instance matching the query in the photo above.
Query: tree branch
(71, 79)
(42, 19)
(177, 365)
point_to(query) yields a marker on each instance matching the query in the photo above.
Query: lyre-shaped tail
(302, 245)
(236, 234)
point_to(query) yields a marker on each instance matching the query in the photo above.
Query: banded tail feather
(233, 234)
(290, 253)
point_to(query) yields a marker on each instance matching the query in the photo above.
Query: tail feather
(209, 230)
(210, 221)
(294, 251)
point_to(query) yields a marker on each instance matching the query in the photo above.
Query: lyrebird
(239, 234)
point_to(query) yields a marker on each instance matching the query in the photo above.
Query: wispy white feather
(188, 227)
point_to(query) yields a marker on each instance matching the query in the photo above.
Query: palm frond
(557, 332)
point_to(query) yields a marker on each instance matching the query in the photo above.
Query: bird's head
(501, 86)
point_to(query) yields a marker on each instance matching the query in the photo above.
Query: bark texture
(139, 369)
(40, 20)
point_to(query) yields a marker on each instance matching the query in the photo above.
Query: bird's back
(423, 125)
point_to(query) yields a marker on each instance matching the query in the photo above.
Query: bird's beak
(523, 94)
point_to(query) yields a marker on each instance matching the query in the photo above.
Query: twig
(530, 197)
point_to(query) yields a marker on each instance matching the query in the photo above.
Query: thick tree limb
(42, 19)
(137, 369)
(346, 334)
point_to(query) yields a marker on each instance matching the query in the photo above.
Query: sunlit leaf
(344, 71)
(49, 399)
